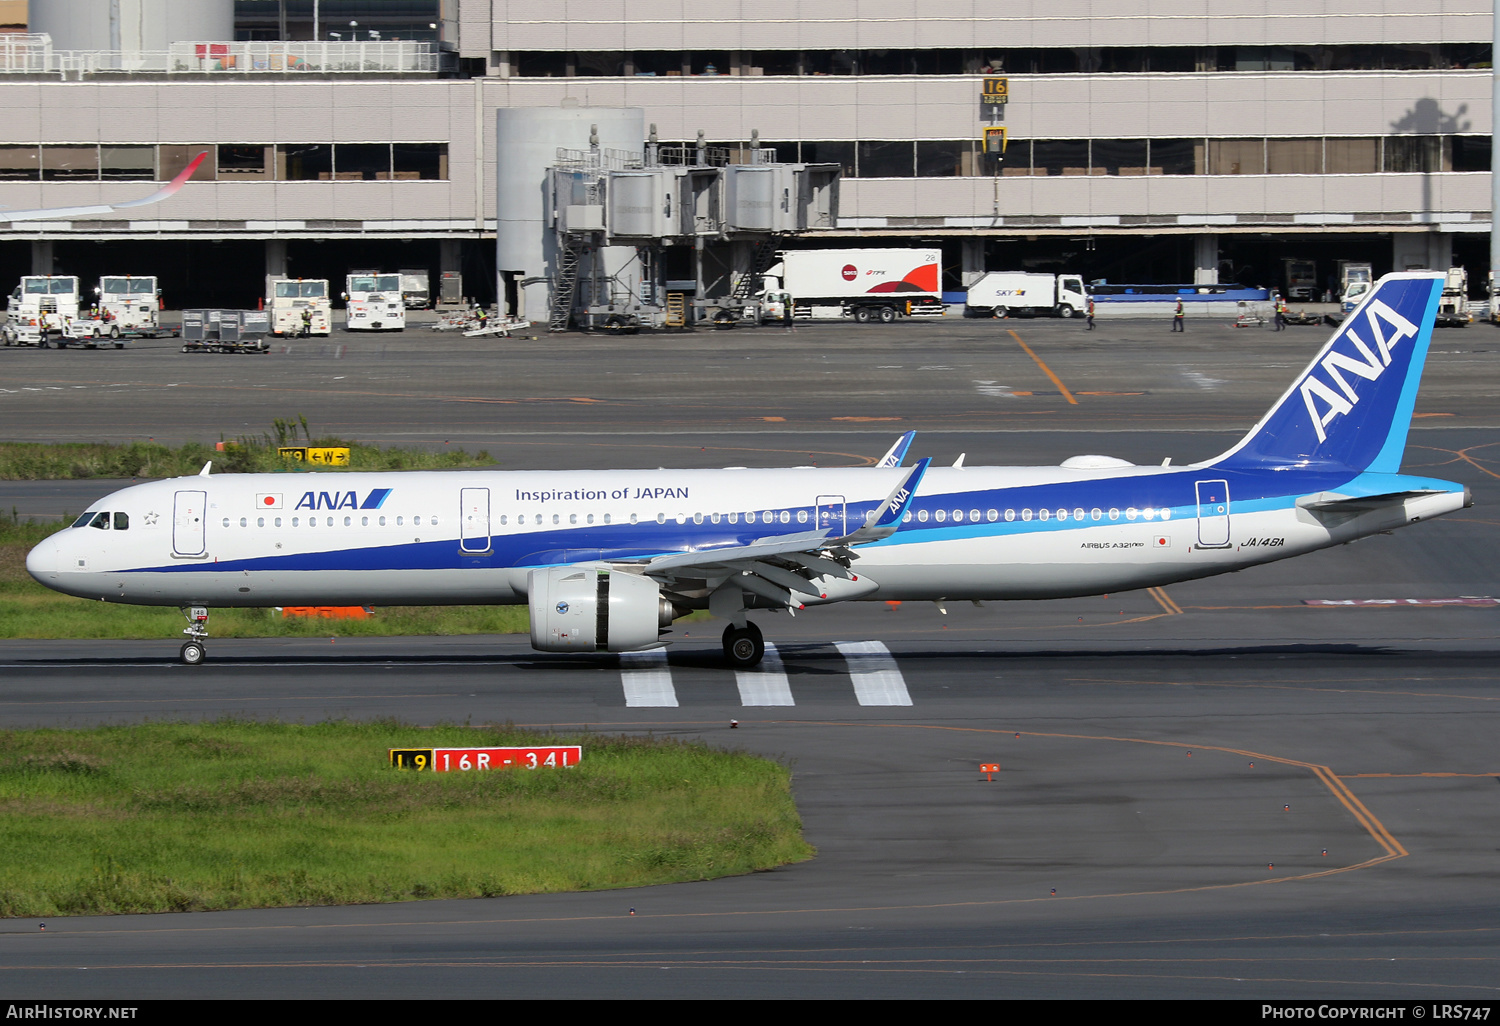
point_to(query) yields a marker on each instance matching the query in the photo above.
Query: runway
(1126, 728)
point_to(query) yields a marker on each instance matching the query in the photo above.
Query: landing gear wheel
(744, 647)
(862, 315)
(192, 653)
(887, 315)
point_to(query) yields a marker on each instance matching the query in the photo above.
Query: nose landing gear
(193, 650)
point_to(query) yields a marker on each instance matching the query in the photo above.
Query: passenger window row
(330, 521)
(1079, 513)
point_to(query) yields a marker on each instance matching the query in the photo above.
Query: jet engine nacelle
(588, 609)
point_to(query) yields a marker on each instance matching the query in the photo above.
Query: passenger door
(474, 520)
(1213, 514)
(189, 524)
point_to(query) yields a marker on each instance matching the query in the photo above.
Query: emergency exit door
(1213, 513)
(189, 510)
(474, 520)
(831, 514)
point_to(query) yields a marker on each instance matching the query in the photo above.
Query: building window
(885, 160)
(362, 162)
(1471, 153)
(1294, 156)
(1121, 157)
(1060, 156)
(127, 163)
(20, 164)
(245, 163)
(425, 161)
(1351, 156)
(1236, 156)
(304, 162)
(1414, 153)
(70, 163)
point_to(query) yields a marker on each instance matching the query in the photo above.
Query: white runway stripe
(648, 682)
(876, 679)
(767, 683)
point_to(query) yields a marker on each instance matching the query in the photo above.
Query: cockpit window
(122, 521)
(83, 521)
(101, 521)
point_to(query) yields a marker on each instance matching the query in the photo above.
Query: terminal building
(1130, 140)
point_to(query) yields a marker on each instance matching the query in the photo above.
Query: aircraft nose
(43, 560)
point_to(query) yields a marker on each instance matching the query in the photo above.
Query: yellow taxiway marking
(1045, 369)
(1165, 601)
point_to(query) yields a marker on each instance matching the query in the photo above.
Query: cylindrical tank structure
(526, 144)
(131, 26)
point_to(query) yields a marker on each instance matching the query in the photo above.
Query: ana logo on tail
(1369, 366)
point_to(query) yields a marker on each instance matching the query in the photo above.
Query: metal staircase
(748, 283)
(565, 284)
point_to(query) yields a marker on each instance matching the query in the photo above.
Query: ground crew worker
(1177, 316)
(1280, 313)
(786, 310)
(306, 322)
(1091, 313)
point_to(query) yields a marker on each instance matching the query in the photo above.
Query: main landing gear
(744, 647)
(193, 650)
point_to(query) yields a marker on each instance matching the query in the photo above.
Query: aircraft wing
(58, 213)
(781, 566)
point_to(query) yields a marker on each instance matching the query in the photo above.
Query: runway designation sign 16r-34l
(460, 760)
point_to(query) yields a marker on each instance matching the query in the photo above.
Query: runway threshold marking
(872, 668)
(647, 680)
(1045, 369)
(1165, 601)
(766, 684)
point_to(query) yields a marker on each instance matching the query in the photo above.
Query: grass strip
(42, 461)
(237, 814)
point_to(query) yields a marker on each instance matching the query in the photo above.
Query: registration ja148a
(462, 760)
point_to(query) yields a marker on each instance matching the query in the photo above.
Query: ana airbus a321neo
(607, 559)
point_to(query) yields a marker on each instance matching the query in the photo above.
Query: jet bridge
(703, 223)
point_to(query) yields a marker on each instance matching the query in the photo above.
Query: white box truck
(372, 302)
(41, 307)
(416, 289)
(1002, 293)
(290, 297)
(859, 284)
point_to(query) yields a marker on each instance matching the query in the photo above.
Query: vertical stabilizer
(1352, 406)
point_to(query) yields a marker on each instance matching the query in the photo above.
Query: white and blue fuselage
(1320, 469)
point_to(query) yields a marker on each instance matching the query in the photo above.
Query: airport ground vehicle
(1453, 305)
(290, 297)
(1301, 279)
(416, 290)
(859, 284)
(1355, 282)
(41, 307)
(373, 302)
(1001, 293)
(128, 307)
(607, 559)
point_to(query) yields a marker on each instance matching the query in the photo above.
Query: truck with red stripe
(858, 284)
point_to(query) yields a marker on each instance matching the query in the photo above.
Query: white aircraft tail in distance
(607, 559)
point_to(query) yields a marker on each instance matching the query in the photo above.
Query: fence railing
(32, 53)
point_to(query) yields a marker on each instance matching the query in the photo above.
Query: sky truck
(862, 285)
(1002, 293)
